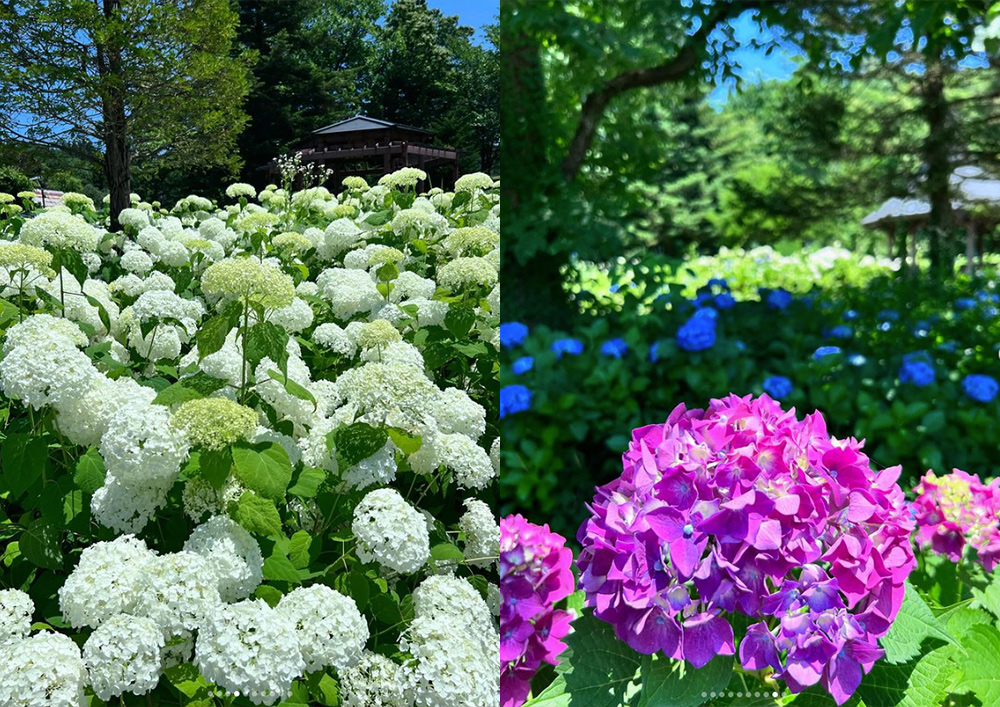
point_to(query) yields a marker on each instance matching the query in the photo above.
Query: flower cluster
(698, 332)
(743, 508)
(958, 510)
(269, 414)
(535, 573)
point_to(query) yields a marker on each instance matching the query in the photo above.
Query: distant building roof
(361, 123)
(48, 197)
(971, 184)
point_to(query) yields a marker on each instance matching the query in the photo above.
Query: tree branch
(669, 71)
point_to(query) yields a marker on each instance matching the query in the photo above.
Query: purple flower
(743, 508)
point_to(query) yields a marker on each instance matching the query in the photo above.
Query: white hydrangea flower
(462, 273)
(108, 580)
(331, 630)
(181, 590)
(467, 460)
(124, 655)
(378, 389)
(482, 532)
(134, 219)
(378, 469)
(127, 507)
(60, 230)
(410, 285)
(250, 649)
(429, 312)
(336, 339)
(341, 235)
(457, 413)
(42, 366)
(233, 555)
(376, 681)
(391, 532)
(16, 609)
(84, 420)
(141, 444)
(348, 291)
(42, 671)
(137, 262)
(495, 455)
(294, 318)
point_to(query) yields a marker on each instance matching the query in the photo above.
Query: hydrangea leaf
(293, 388)
(278, 568)
(212, 335)
(408, 444)
(264, 468)
(23, 457)
(357, 442)
(308, 483)
(354, 584)
(600, 668)
(673, 683)
(914, 623)
(552, 696)
(447, 553)
(300, 550)
(258, 515)
(460, 320)
(41, 545)
(215, 466)
(90, 472)
(980, 674)
(267, 340)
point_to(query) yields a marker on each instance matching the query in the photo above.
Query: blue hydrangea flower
(922, 329)
(964, 303)
(614, 288)
(824, 351)
(981, 388)
(654, 352)
(615, 348)
(884, 326)
(523, 365)
(718, 282)
(701, 298)
(698, 332)
(917, 369)
(984, 296)
(573, 347)
(850, 315)
(514, 399)
(888, 315)
(842, 331)
(779, 299)
(778, 387)
(724, 301)
(513, 334)
(991, 312)
(857, 360)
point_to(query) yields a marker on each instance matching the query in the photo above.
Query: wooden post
(970, 246)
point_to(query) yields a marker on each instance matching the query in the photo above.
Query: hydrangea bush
(250, 448)
(746, 557)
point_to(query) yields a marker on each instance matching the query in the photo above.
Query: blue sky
(472, 13)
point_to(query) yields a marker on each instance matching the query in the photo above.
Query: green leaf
(553, 696)
(212, 335)
(216, 465)
(258, 515)
(293, 388)
(914, 623)
(460, 320)
(264, 468)
(386, 609)
(73, 262)
(309, 482)
(673, 683)
(448, 553)
(279, 568)
(980, 674)
(357, 442)
(23, 457)
(101, 311)
(299, 549)
(408, 444)
(90, 472)
(41, 544)
(596, 666)
(354, 584)
(196, 387)
(461, 199)
(379, 218)
(272, 595)
(267, 340)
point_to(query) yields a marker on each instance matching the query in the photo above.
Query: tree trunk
(938, 162)
(117, 158)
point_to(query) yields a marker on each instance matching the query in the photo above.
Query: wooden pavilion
(976, 207)
(365, 146)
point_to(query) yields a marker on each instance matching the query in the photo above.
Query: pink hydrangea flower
(958, 509)
(743, 508)
(535, 572)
